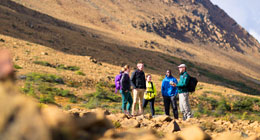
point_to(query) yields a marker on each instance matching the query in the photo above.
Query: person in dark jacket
(139, 87)
(183, 92)
(125, 90)
(169, 93)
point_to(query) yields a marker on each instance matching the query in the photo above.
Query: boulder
(20, 118)
(228, 136)
(194, 133)
(172, 127)
(162, 118)
(130, 123)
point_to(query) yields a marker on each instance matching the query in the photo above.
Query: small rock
(44, 53)
(2, 40)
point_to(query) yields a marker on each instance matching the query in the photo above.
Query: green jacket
(182, 84)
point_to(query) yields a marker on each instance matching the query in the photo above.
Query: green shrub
(17, 66)
(222, 107)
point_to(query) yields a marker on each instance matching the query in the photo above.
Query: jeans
(170, 101)
(145, 102)
(126, 98)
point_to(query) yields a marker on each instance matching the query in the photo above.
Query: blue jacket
(167, 89)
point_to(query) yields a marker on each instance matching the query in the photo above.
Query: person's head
(126, 68)
(168, 73)
(182, 68)
(140, 66)
(6, 65)
(149, 77)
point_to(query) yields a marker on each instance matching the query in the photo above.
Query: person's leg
(186, 106)
(145, 102)
(152, 106)
(135, 93)
(181, 101)
(166, 102)
(130, 101)
(141, 97)
(174, 107)
(124, 101)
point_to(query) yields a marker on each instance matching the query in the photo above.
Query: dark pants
(145, 102)
(170, 101)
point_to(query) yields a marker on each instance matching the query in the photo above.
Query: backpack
(117, 82)
(192, 84)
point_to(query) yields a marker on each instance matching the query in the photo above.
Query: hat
(181, 66)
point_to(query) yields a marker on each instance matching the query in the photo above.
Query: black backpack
(192, 84)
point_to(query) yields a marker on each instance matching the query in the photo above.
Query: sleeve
(183, 81)
(122, 82)
(163, 88)
(145, 81)
(133, 80)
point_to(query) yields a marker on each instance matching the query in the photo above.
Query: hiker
(125, 84)
(139, 86)
(183, 92)
(117, 81)
(149, 95)
(169, 93)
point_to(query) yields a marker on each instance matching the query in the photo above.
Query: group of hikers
(144, 91)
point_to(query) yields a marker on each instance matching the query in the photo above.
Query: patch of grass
(17, 66)
(58, 66)
(80, 73)
(39, 77)
(103, 97)
(47, 99)
(67, 107)
(116, 124)
(73, 84)
(159, 110)
(44, 63)
(73, 100)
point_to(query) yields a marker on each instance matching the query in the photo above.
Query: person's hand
(174, 84)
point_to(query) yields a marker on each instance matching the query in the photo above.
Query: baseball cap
(181, 66)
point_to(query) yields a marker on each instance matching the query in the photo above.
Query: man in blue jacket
(169, 93)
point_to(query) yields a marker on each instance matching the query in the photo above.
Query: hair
(125, 67)
(140, 62)
(169, 71)
(148, 75)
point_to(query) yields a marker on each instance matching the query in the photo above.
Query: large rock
(130, 123)
(172, 127)
(162, 118)
(130, 134)
(20, 118)
(228, 136)
(194, 133)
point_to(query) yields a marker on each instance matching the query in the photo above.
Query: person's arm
(133, 80)
(122, 82)
(144, 81)
(183, 81)
(163, 88)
